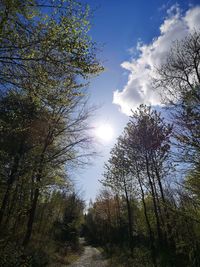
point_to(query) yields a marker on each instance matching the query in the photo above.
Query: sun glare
(104, 132)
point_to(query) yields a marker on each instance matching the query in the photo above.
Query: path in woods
(91, 257)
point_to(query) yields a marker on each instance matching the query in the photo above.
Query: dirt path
(91, 257)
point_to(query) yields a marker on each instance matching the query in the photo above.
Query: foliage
(142, 217)
(46, 60)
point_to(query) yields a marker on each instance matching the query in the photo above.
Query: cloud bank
(138, 88)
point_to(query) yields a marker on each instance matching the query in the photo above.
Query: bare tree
(179, 80)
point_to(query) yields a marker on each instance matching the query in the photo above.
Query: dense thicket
(148, 211)
(46, 59)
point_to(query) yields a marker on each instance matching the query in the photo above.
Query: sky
(134, 37)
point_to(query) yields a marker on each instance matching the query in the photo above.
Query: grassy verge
(38, 254)
(64, 256)
(122, 257)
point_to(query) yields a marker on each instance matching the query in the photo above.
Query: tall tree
(46, 60)
(118, 178)
(179, 78)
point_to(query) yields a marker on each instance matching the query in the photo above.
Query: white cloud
(138, 88)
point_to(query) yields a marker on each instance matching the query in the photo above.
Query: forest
(46, 59)
(147, 212)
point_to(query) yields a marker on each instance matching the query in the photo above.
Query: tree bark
(11, 180)
(151, 236)
(130, 222)
(160, 238)
(31, 218)
(8, 189)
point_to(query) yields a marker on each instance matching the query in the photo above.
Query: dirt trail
(91, 257)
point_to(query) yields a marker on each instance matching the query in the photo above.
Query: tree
(179, 78)
(117, 177)
(137, 168)
(46, 60)
(72, 220)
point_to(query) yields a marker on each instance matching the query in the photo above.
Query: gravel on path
(91, 257)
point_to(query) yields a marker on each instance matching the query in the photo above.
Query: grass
(121, 257)
(65, 256)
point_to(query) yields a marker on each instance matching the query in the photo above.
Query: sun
(104, 132)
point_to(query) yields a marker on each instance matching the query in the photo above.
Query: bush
(12, 255)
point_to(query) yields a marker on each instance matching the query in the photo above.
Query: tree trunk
(151, 236)
(31, 218)
(35, 196)
(160, 238)
(166, 212)
(130, 223)
(11, 180)
(12, 207)
(8, 189)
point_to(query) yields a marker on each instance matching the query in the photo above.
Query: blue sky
(118, 27)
